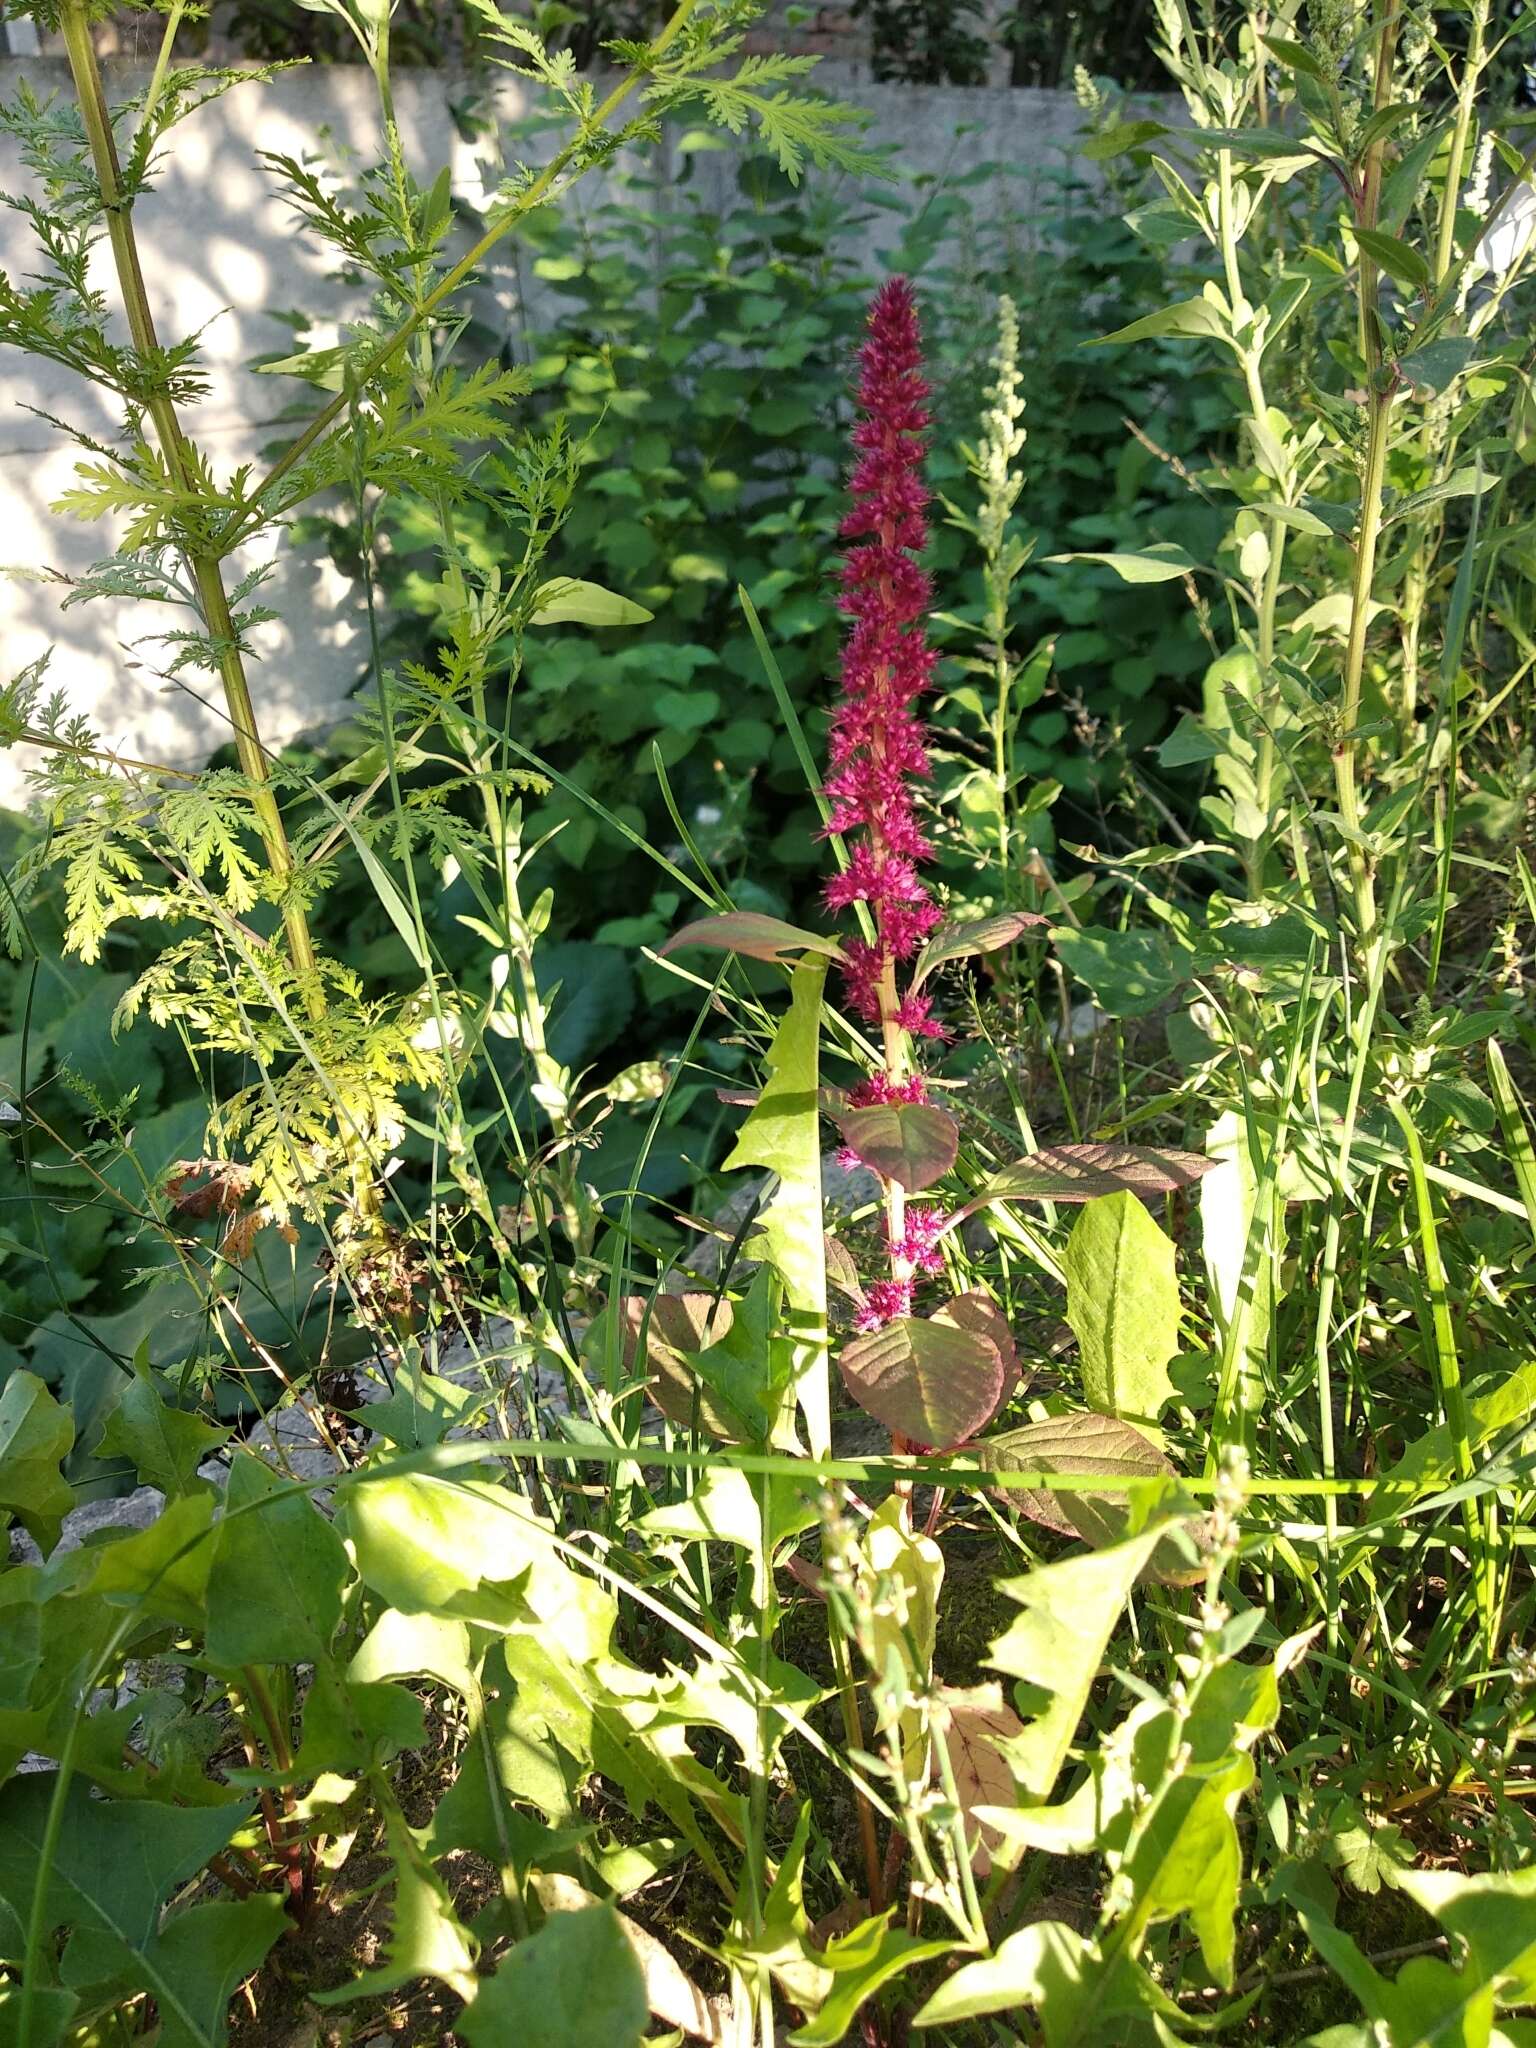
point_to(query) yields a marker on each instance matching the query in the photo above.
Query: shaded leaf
(165, 1445)
(279, 1569)
(746, 931)
(931, 1382)
(985, 935)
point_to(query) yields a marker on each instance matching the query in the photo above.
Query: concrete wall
(222, 256)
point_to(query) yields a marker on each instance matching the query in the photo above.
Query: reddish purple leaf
(930, 1382)
(978, 1312)
(986, 935)
(911, 1143)
(744, 931)
(1079, 1173)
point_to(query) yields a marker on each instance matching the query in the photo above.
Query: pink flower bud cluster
(878, 745)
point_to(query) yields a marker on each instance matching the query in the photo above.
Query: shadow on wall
(224, 257)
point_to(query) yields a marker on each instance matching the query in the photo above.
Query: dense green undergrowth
(1055, 1571)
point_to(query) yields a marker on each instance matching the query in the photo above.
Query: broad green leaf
(1120, 137)
(1160, 562)
(164, 1568)
(783, 1133)
(1057, 1643)
(984, 935)
(114, 1865)
(759, 937)
(164, 1444)
(574, 1984)
(567, 600)
(1494, 1913)
(933, 1383)
(207, 1952)
(1123, 1306)
(1461, 483)
(911, 1143)
(1187, 317)
(1437, 365)
(1039, 1967)
(279, 1571)
(36, 1435)
(1129, 973)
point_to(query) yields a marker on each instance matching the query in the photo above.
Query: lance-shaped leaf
(783, 1134)
(1123, 1306)
(1159, 563)
(985, 935)
(1079, 1173)
(911, 1143)
(761, 938)
(928, 1381)
(568, 600)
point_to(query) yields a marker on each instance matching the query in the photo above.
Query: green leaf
(931, 1382)
(783, 1133)
(985, 935)
(1429, 1462)
(112, 1868)
(745, 931)
(164, 1445)
(279, 1572)
(862, 1961)
(36, 1436)
(1396, 257)
(1161, 562)
(1123, 1306)
(911, 1143)
(425, 1407)
(426, 1937)
(1188, 317)
(1461, 483)
(1296, 55)
(207, 1952)
(1129, 973)
(1437, 365)
(1057, 1643)
(567, 600)
(1122, 137)
(575, 1983)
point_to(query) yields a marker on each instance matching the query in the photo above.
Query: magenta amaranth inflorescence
(878, 743)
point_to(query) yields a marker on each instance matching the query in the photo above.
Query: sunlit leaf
(911, 1143)
(746, 931)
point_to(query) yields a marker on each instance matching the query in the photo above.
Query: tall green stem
(203, 564)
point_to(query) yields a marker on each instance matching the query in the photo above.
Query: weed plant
(1075, 1589)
